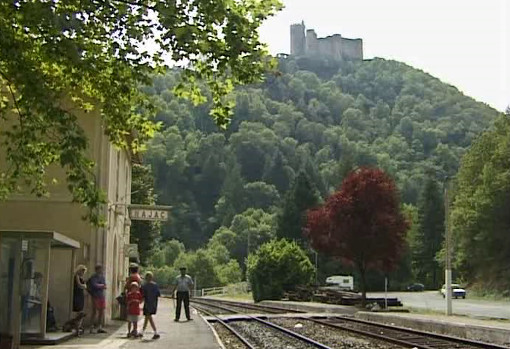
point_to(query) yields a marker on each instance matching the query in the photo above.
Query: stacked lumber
(300, 294)
(333, 295)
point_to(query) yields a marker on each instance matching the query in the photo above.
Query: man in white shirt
(183, 283)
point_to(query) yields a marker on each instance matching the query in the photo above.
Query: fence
(242, 287)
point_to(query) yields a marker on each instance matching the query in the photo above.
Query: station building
(42, 240)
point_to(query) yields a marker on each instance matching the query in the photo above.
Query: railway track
(304, 342)
(404, 337)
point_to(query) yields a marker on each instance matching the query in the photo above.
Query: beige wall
(60, 283)
(57, 213)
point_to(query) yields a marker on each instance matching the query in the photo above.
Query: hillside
(320, 117)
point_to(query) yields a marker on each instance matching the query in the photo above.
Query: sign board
(149, 213)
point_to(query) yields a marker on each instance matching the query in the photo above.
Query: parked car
(416, 287)
(457, 291)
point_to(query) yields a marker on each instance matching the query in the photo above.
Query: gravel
(333, 338)
(263, 337)
(228, 339)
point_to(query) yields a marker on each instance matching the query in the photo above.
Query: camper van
(343, 282)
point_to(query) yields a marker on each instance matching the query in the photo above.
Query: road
(432, 300)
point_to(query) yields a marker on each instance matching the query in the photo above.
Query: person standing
(79, 295)
(96, 286)
(134, 299)
(183, 283)
(150, 292)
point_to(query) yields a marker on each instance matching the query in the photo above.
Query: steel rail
(407, 337)
(211, 304)
(230, 328)
(290, 333)
(265, 323)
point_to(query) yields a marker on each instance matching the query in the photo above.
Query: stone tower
(297, 39)
(335, 46)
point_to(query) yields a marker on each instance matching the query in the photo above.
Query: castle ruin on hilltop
(334, 46)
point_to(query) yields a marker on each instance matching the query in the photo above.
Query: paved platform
(195, 334)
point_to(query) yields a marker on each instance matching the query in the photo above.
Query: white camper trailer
(344, 282)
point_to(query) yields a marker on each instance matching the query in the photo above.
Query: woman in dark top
(79, 292)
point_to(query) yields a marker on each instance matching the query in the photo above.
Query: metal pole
(448, 261)
(386, 292)
(316, 270)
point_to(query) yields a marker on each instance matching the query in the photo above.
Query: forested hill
(319, 117)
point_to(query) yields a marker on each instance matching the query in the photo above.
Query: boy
(151, 293)
(134, 299)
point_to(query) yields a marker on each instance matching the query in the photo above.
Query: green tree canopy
(291, 220)
(479, 217)
(144, 233)
(58, 55)
(430, 235)
(277, 266)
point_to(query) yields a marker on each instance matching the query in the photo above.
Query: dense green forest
(480, 220)
(297, 135)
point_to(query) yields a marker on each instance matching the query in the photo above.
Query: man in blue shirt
(96, 286)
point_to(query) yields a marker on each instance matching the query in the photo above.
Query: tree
(479, 216)
(430, 234)
(279, 173)
(200, 266)
(144, 233)
(59, 55)
(361, 223)
(291, 219)
(261, 195)
(277, 266)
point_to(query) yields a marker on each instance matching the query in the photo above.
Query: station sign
(149, 213)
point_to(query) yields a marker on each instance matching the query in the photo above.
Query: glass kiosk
(25, 267)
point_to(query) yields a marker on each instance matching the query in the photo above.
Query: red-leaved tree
(361, 223)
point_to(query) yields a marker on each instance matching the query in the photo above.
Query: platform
(195, 334)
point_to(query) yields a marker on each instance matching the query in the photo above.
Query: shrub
(277, 266)
(229, 273)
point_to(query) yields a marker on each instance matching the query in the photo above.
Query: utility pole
(448, 257)
(316, 270)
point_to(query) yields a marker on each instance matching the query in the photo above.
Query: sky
(464, 43)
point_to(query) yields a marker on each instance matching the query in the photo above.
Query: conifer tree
(301, 196)
(430, 234)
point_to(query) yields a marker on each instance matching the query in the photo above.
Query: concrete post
(448, 257)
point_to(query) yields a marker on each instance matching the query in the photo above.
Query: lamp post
(448, 257)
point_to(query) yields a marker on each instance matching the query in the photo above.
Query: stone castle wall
(334, 46)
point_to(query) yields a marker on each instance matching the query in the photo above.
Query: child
(134, 299)
(151, 293)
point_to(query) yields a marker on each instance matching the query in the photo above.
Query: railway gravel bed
(263, 337)
(333, 338)
(227, 338)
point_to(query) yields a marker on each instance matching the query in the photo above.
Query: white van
(344, 282)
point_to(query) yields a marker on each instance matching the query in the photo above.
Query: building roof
(57, 239)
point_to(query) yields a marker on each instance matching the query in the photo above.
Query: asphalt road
(432, 300)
